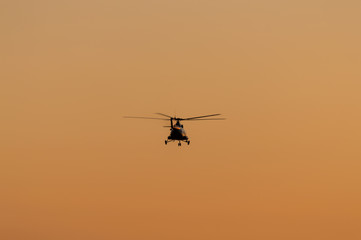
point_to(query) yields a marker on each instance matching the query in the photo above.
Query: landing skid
(179, 142)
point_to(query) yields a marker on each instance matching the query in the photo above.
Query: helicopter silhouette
(177, 132)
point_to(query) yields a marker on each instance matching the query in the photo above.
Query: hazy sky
(284, 165)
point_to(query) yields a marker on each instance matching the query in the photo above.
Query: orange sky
(284, 165)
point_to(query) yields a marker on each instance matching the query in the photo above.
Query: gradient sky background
(284, 165)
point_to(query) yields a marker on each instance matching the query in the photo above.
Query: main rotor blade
(163, 115)
(147, 118)
(207, 119)
(211, 115)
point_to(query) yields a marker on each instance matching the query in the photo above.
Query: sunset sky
(285, 165)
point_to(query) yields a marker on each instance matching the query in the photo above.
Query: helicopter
(177, 132)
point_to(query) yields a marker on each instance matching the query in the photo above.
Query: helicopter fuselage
(177, 133)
